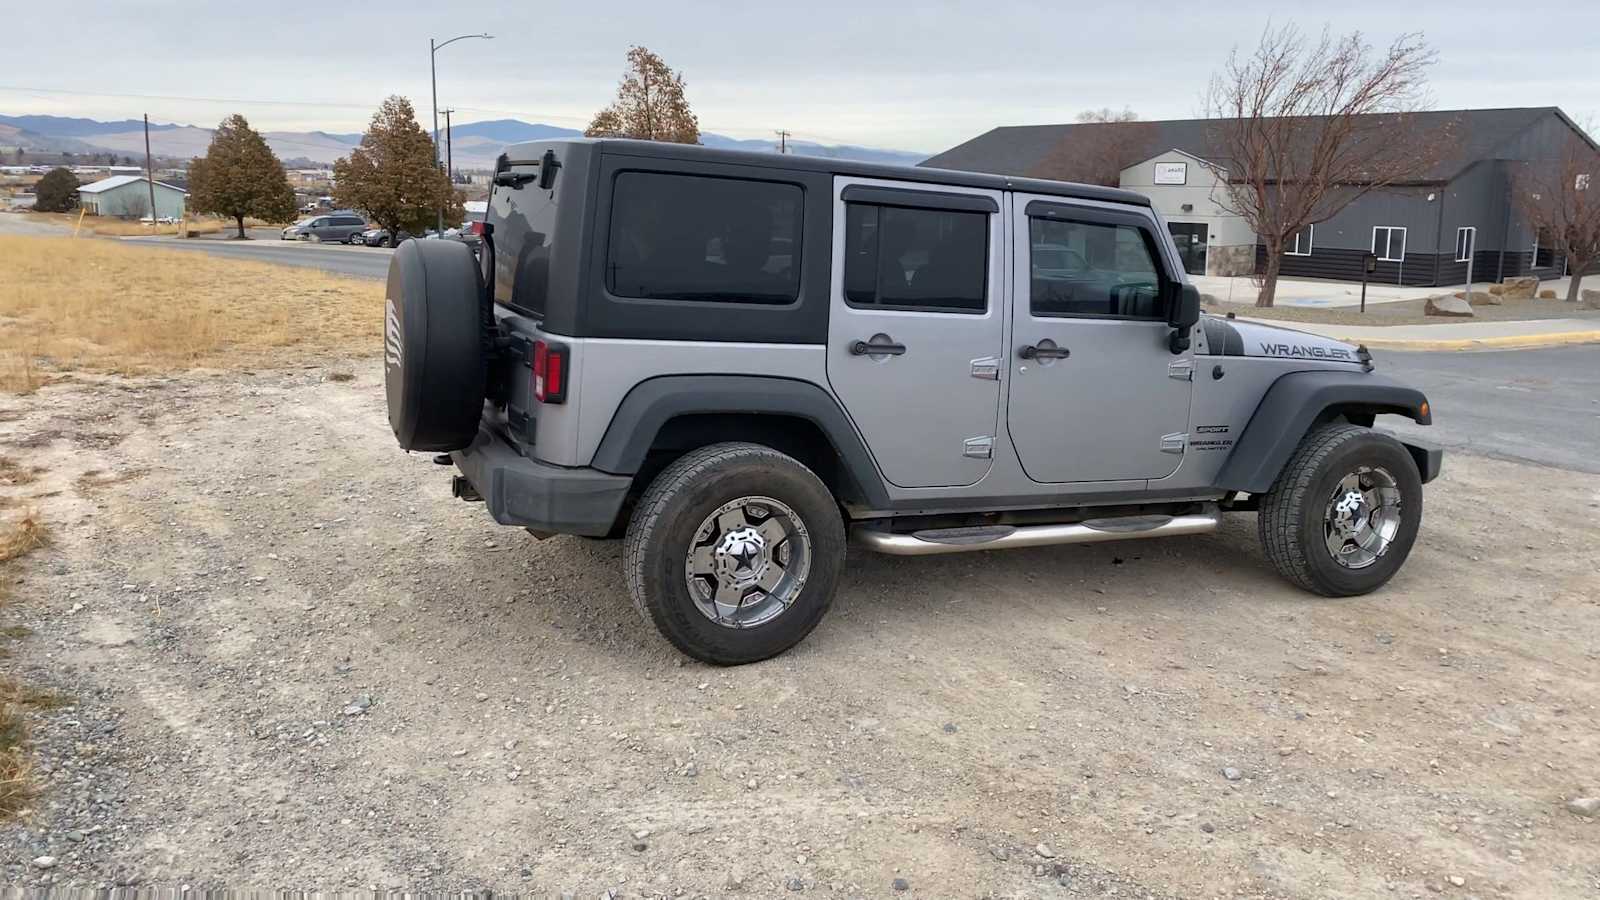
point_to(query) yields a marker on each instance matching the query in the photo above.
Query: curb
(1505, 342)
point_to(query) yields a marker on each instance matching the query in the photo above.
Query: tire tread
(677, 477)
(1285, 503)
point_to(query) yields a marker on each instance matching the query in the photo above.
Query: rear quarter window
(708, 239)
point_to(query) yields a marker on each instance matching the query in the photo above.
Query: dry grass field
(18, 536)
(98, 306)
(112, 227)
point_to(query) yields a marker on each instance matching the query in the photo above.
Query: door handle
(862, 348)
(1035, 352)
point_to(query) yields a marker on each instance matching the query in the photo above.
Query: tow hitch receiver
(463, 489)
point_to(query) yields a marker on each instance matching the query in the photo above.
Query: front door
(1190, 239)
(915, 328)
(1096, 393)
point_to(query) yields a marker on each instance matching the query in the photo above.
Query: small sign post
(1369, 264)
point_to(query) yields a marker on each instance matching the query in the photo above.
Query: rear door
(1096, 393)
(916, 325)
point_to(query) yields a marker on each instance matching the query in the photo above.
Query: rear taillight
(475, 228)
(549, 372)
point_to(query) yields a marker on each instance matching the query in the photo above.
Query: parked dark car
(333, 226)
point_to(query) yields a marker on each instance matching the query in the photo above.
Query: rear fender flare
(652, 403)
(1300, 400)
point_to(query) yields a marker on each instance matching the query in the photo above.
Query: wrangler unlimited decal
(1305, 351)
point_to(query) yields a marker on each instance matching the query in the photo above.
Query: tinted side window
(917, 259)
(1093, 269)
(348, 220)
(689, 237)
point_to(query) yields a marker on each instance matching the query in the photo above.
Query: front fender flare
(1298, 401)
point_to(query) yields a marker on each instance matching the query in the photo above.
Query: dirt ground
(298, 663)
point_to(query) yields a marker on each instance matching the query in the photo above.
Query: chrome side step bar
(1004, 537)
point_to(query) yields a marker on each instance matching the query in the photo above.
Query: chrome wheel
(748, 562)
(1363, 517)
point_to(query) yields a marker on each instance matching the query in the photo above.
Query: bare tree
(1560, 198)
(1098, 148)
(1304, 127)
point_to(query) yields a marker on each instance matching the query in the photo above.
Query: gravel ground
(1409, 312)
(297, 663)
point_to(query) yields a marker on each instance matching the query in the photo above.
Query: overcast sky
(915, 75)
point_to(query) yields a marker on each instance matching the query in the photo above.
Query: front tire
(1344, 513)
(733, 553)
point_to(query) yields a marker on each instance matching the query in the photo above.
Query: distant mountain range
(474, 145)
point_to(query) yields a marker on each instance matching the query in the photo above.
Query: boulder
(1547, 294)
(1523, 287)
(1497, 289)
(1479, 298)
(1590, 299)
(1446, 305)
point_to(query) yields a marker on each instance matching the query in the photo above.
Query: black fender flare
(651, 403)
(1298, 401)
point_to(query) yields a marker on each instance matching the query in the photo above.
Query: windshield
(304, 222)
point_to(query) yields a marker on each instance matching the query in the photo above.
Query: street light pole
(433, 79)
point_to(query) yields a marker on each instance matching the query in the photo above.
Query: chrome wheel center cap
(1350, 512)
(740, 556)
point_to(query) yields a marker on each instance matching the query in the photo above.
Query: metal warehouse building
(1422, 231)
(128, 196)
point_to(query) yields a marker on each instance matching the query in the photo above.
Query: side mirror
(1183, 316)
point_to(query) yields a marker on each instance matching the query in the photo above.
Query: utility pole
(783, 140)
(449, 159)
(149, 172)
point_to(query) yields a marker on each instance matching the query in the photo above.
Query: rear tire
(733, 553)
(1344, 513)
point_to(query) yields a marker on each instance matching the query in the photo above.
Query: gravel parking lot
(296, 663)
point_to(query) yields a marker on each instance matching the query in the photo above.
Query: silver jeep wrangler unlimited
(733, 360)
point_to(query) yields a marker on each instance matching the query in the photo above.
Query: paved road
(1539, 406)
(17, 223)
(365, 262)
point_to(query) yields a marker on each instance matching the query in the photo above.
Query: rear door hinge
(1181, 369)
(1174, 443)
(979, 447)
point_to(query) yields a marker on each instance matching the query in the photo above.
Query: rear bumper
(521, 491)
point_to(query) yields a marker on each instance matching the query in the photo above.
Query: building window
(1300, 243)
(933, 260)
(1389, 243)
(1544, 251)
(1466, 243)
(687, 237)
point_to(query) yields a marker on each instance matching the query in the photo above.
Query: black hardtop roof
(531, 151)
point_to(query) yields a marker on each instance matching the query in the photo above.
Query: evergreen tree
(57, 191)
(240, 176)
(392, 176)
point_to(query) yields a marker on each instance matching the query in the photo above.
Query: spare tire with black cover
(434, 346)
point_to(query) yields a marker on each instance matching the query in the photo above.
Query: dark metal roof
(1473, 135)
(789, 162)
